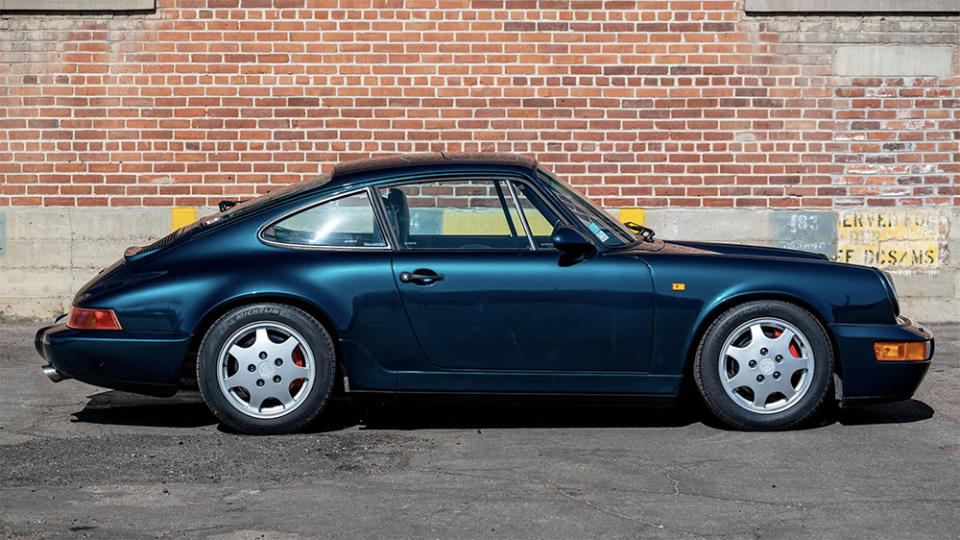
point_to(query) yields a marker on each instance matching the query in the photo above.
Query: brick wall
(647, 104)
(828, 133)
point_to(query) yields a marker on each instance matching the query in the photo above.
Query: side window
(455, 214)
(540, 218)
(344, 222)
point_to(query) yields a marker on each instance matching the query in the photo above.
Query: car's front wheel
(266, 368)
(764, 365)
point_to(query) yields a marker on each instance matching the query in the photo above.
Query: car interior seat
(398, 212)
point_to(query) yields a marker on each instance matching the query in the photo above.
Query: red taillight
(92, 319)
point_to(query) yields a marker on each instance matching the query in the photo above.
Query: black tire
(706, 368)
(308, 407)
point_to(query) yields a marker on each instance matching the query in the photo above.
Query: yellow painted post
(631, 214)
(182, 216)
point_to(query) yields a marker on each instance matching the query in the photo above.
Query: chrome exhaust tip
(54, 375)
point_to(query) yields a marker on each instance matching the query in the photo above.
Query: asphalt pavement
(82, 461)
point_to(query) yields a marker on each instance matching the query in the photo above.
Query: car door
(484, 288)
(335, 253)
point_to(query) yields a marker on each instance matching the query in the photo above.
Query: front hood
(751, 251)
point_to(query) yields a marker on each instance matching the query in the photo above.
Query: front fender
(835, 293)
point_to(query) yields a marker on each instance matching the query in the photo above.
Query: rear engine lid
(177, 236)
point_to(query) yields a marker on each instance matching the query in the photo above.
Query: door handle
(421, 276)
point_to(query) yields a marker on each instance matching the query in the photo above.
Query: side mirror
(571, 242)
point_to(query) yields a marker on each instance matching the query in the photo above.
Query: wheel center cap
(265, 369)
(767, 366)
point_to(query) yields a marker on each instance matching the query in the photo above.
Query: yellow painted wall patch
(891, 238)
(182, 216)
(491, 221)
(478, 221)
(631, 214)
(679, 286)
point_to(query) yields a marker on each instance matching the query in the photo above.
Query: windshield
(608, 230)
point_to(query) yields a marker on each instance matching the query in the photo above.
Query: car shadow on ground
(114, 407)
(900, 412)
(187, 410)
(413, 416)
(460, 416)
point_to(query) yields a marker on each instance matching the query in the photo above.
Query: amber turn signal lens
(908, 351)
(92, 319)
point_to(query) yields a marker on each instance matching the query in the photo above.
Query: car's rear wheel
(266, 368)
(764, 365)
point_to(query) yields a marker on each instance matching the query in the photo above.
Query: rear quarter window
(345, 222)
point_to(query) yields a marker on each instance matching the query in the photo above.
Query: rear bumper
(866, 380)
(141, 363)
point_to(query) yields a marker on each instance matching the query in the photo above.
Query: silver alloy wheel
(766, 365)
(259, 369)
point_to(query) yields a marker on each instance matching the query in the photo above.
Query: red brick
(638, 103)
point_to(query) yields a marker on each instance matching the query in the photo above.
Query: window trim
(504, 207)
(506, 178)
(523, 216)
(564, 219)
(561, 216)
(387, 238)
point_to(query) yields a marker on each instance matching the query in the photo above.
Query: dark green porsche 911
(475, 275)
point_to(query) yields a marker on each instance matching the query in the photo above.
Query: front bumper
(866, 380)
(134, 362)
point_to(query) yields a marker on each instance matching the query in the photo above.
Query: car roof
(430, 159)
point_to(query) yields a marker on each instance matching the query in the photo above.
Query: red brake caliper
(793, 348)
(298, 360)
